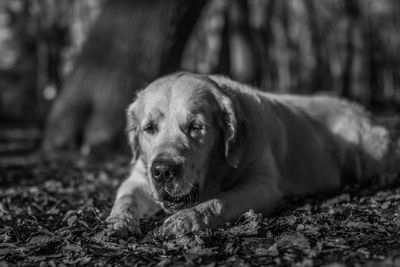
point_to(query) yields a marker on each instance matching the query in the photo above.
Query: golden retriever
(207, 149)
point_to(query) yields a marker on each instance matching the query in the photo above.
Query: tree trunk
(131, 43)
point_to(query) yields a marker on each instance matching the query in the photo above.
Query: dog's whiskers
(190, 195)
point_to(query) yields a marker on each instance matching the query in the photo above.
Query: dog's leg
(256, 191)
(133, 201)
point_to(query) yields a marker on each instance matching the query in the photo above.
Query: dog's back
(363, 149)
(368, 149)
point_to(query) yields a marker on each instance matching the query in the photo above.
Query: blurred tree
(38, 42)
(131, 43)
(344, 47)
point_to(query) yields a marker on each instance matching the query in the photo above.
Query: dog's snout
(165, 171)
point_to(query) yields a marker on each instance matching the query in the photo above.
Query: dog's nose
(165, 171)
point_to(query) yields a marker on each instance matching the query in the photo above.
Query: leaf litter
(52, 213)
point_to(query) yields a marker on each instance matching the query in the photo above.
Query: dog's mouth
(179, 202)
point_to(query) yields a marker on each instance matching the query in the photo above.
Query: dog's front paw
(123, 225)
(182, 222)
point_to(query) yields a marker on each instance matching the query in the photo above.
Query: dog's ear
(232, 125)
(132, 130)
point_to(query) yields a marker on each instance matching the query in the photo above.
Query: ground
(52, 212)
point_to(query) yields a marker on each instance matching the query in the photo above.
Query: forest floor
(52, 213)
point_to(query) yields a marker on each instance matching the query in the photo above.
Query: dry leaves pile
(52, 213)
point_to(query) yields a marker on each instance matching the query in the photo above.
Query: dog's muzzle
(172, 203)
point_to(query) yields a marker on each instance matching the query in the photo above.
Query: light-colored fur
(253, 149)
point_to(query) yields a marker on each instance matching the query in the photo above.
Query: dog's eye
(195, 128)
(149, 128)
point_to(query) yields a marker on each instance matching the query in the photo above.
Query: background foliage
(346, 47)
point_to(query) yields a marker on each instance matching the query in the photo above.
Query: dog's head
(179, 126)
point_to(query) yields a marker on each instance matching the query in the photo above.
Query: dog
(207, 149)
